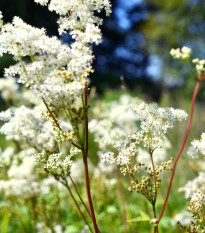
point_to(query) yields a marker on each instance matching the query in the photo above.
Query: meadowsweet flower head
(197, 203)
(26, 125)
(9, 88)
(195, 191)
(151, 136)
(56, 163)
(193, 185)
(155, 122)
(181, 54)
(22, 182)
(71, 10)
(184, 218)
(113, 121)
(16, 38)
(199, 65)
(6, 156)
(197, 147)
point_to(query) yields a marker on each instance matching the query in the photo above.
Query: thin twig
(51, 114)
(122, 199)
(155, 193)
(56, 122)
(80, 196)
(76, 204)
(155, 180)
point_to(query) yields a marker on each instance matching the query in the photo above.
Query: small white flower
(183, 54)
(199, 65)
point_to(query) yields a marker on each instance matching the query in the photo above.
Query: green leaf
(5, 222)
(142, 218)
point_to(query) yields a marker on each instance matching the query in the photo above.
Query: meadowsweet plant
(57, 74)
(47, 122)
(150, 138)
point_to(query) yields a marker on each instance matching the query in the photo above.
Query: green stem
(122, 199)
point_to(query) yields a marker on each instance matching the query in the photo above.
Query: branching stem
(76, 204)
(80, 196)
(56, 122)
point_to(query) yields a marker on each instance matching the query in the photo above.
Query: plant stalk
(183, 144)
(85, 162)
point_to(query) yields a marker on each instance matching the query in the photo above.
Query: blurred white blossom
(181, 54)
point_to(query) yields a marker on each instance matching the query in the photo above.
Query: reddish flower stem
(85, 162)
(182, 146)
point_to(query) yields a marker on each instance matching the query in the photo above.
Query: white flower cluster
(184, 55)
(200, 65)
(11, 91)
(26, 125)
(23, 170)
(184, 218)
(181, 54)
(21, 181)
(78, 16)
(9, 88)
(192, 186)
(195, 191)
(45, 74)
(56, 162)
(17, 38)
(58, 73)
(22, 188)
(197, 203)
(197, 147)
(125, 155)
(6, 156)
(155, 122)
(112, 121)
